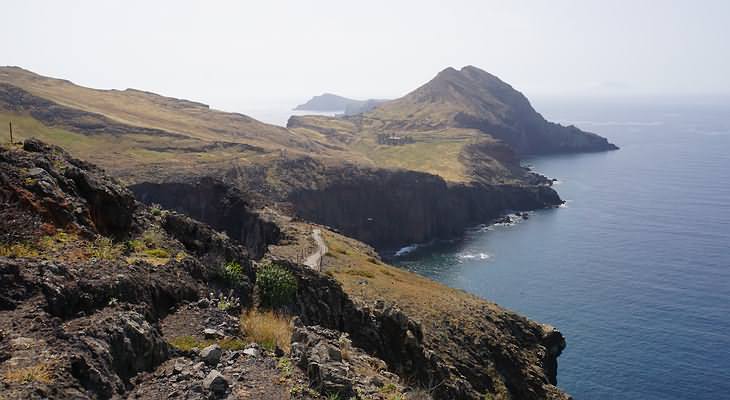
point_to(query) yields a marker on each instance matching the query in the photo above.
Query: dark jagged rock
(395, 208)
(450, 362)
(217, 204)
(333, 365)
(65, 191)
(79, 309)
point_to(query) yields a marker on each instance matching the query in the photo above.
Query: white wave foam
(473, 256)
(405, 250)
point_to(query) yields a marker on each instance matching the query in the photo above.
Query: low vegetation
(152, 247)
(268, 329)
(18, 250)
(103, 248)
(276, 285)
(232, 272)
(41, 372)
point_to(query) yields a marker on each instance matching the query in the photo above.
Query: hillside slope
(464, 125)
(473, 98)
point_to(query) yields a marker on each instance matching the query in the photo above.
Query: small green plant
(285, 367)
(389, 388)
(159, 253)
(104, 248)
(153, 238)
(233, 273)
(156, 209)
(181, 255)
(333, 396)
(135, 245)
(277, 285)
(228, 303)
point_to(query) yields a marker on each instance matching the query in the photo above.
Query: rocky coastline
(100, 293)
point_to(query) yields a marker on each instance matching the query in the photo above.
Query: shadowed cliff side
(394, 208)
(219, 205)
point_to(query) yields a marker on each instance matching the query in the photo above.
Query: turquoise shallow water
(635, 270)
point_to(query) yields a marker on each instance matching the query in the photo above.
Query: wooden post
(10, 123)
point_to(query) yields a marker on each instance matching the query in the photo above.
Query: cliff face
(490, 351)
(218, 204)
(394, 208)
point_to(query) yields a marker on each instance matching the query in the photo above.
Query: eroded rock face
(217, 204)
(65, 192)
(388, 209)
(333, 365)
(78, 310)
(508, 353)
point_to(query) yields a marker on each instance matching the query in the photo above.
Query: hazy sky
(236, 54)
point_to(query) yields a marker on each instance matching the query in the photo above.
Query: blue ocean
(635, 269)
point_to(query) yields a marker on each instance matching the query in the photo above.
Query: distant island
(333, 102)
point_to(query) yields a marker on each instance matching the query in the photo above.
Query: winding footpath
(314, 260)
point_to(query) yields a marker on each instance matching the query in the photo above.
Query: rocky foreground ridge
(104, 297)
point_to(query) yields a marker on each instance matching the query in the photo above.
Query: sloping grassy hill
(149, 110)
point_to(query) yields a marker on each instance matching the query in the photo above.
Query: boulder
(211, 355)
(216, 383)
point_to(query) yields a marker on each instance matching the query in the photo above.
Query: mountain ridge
(474, 98)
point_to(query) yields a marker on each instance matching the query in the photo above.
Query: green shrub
(159, 253)
(104, 248)
(233, 273)
(135, 245)
(277, 285)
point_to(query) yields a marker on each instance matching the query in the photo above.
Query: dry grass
(41, 373)
(424, 299)
(268, 329)
(104, 248)
(152, 247)
(18, 250)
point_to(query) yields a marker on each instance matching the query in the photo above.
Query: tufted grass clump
(104, 248)
(276, 285)
(40, 372)
(18, 250)
(268, 329)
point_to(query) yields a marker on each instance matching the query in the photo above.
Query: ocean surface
(635, 269)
